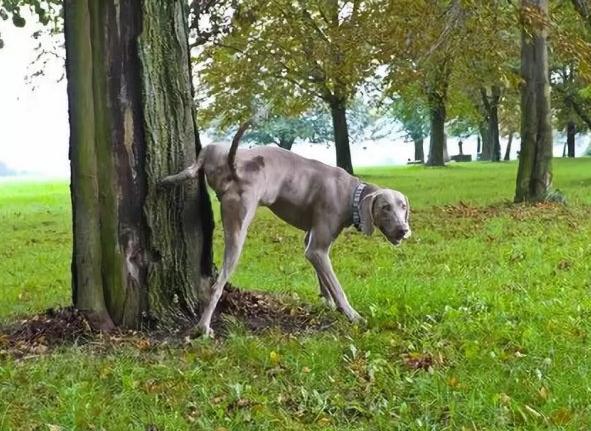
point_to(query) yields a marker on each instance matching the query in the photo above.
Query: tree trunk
(286, 143)
(493, 123)
(437, 113)
(341, 134)
(419, 150)
(478, 146)
(571, 131)
(486, 153)
(491, 149)
(141, 256)
(534, 174)
(508, 150)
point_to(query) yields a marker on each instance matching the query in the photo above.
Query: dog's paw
(328, 302)
(355, 317)
(203, 331)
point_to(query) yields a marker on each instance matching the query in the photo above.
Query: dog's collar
(356, 201)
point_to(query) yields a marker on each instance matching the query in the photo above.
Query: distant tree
(413, 113)
(509, 117)
(290, 54)
(570, 73)
(570, 107)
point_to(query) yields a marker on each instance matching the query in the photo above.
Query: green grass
(498, 297)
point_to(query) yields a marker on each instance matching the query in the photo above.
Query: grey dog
(319, 199)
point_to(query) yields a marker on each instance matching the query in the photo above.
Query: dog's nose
(402, 232)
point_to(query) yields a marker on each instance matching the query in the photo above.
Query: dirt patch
(259, 311)
(255, 311)
(37, 334)
(515, 211)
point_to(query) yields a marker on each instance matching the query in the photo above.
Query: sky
(33, 121)
(34, 117)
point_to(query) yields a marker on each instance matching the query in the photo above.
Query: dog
(319, 199)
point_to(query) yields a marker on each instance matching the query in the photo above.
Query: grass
(491, 301)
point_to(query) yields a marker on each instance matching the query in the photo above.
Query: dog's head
(389, 211)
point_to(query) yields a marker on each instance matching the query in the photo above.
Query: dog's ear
(366, 213)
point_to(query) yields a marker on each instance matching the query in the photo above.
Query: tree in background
(510, 117)
(314, 126)
(570, 74)
(140, 256)
(289, 54)
(413, 113)
(570, 108)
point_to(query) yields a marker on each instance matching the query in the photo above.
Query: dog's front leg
(317, 254)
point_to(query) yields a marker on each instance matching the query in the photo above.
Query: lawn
(480, 321)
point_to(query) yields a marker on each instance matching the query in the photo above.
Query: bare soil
(255, 311)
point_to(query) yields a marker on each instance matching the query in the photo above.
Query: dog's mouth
(397, 237)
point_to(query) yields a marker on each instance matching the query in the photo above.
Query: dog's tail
(234, 147)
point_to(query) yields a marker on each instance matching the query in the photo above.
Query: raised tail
(234, 147)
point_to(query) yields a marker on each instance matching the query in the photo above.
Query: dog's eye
(387, 207)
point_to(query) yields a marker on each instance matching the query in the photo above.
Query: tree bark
(286, 143)
(437, 113)
(508, 149)
(419, 150)
(140, 256)
(338, 111)
(534, 176)
(486, 153)
(491, 149)
(571, 131)
(493, 124)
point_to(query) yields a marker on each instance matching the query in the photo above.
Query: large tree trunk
(437, 113)
(141, 256)
(571, 131)
(534, 174)
(338, 111)
(419, 150)
(508, 150)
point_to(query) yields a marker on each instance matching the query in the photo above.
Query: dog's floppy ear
(366, 213)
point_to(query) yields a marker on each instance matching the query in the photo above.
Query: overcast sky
(33, 122)
(34, 117)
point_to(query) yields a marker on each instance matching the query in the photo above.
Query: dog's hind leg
(186, 174)
(237, 213)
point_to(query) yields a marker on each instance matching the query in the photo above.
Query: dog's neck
(359, 192)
